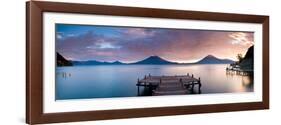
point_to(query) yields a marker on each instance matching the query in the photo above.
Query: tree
(239, 57)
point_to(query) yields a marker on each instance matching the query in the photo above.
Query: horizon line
(189, 62)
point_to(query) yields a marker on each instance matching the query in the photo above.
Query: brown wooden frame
(34, 61)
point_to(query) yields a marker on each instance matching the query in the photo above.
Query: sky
(131, 44)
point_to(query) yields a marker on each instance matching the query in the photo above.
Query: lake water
(82, 82)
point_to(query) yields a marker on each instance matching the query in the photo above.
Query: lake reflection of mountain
(105, 81)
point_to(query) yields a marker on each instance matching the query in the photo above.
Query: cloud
(62, 35)
(133, 44)
(106, 45)
(71, 35)
(241, 38)
(59, 35)
(87, 46)
(136, 33)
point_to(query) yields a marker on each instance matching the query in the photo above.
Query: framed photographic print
(95, 62)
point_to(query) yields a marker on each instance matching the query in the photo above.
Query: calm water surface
(81, 82)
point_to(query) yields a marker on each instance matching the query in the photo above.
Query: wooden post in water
(138, 86)
(150, 88)
(199, 83)
(181, 82)
(192, 86)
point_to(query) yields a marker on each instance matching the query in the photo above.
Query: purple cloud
(133, 44)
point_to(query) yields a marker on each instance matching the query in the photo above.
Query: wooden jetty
(170, 85)
(238, 71)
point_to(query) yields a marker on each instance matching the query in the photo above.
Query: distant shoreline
(152, 60)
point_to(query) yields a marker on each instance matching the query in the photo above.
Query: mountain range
(94, 62)
(156, 60)
(210, 59)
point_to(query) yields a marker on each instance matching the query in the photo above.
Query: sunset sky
(129, 44)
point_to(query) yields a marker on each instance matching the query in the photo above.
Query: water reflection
(247, 81)
(79, 82)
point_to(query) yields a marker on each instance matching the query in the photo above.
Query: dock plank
(169, 85)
